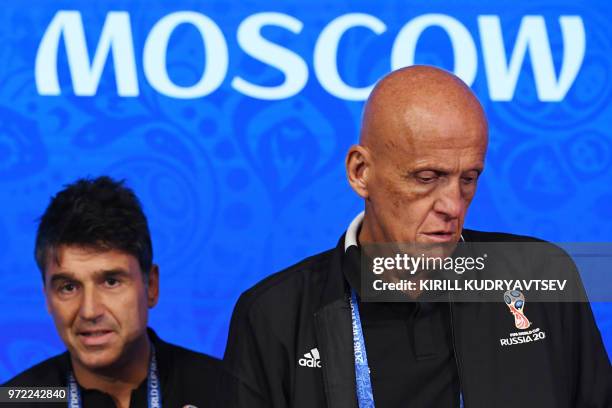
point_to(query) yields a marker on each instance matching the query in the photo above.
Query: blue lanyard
(154, 392)
(363, 382)
(365, 396)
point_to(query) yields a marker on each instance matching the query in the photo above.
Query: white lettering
(502, 77)
(502, 70)
(292, 65)
(326, 52)
(464, 49)
(116, 36)
(155, 49)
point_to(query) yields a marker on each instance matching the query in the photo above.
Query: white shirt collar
(350, 238)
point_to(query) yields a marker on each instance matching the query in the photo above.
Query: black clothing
(409, 347)
(186, 377)
(303, 311)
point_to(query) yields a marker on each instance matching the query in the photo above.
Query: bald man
(304, 337)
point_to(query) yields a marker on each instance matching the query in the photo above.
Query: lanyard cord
(363, 382)
(365, 396)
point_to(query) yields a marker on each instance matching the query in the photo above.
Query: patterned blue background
(236, 188)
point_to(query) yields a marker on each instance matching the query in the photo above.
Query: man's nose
(91, 304)
(450, 201)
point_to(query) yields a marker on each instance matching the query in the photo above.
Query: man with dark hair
(94, 251)
(305, 337)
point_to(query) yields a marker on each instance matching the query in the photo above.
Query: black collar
(161, 354)
(336, 286)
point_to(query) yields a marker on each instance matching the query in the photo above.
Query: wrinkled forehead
(420, 130)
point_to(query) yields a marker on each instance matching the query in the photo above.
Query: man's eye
(426, 177)
(67, 288)
(469, 179)
(111, 282)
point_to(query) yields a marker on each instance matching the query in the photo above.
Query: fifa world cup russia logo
(516, 303)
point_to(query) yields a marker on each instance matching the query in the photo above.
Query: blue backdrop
(231, 120)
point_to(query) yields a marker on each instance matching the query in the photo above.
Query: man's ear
(358, 165)
(153, 286)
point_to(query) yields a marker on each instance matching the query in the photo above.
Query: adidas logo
(311, 359)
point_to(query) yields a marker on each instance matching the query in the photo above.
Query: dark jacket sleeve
(253, 356)
(589, 362)
(593, 373)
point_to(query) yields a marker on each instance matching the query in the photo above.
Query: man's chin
(434, 245)
(438, 239)
(96, 360)
(95, 357)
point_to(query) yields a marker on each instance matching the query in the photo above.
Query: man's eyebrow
(479, 170)
(441, 170)
(435, 169)
(112, 273)
(105, 274)
(61, 276)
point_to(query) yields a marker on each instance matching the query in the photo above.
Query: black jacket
(186, 377)
(305, 307)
